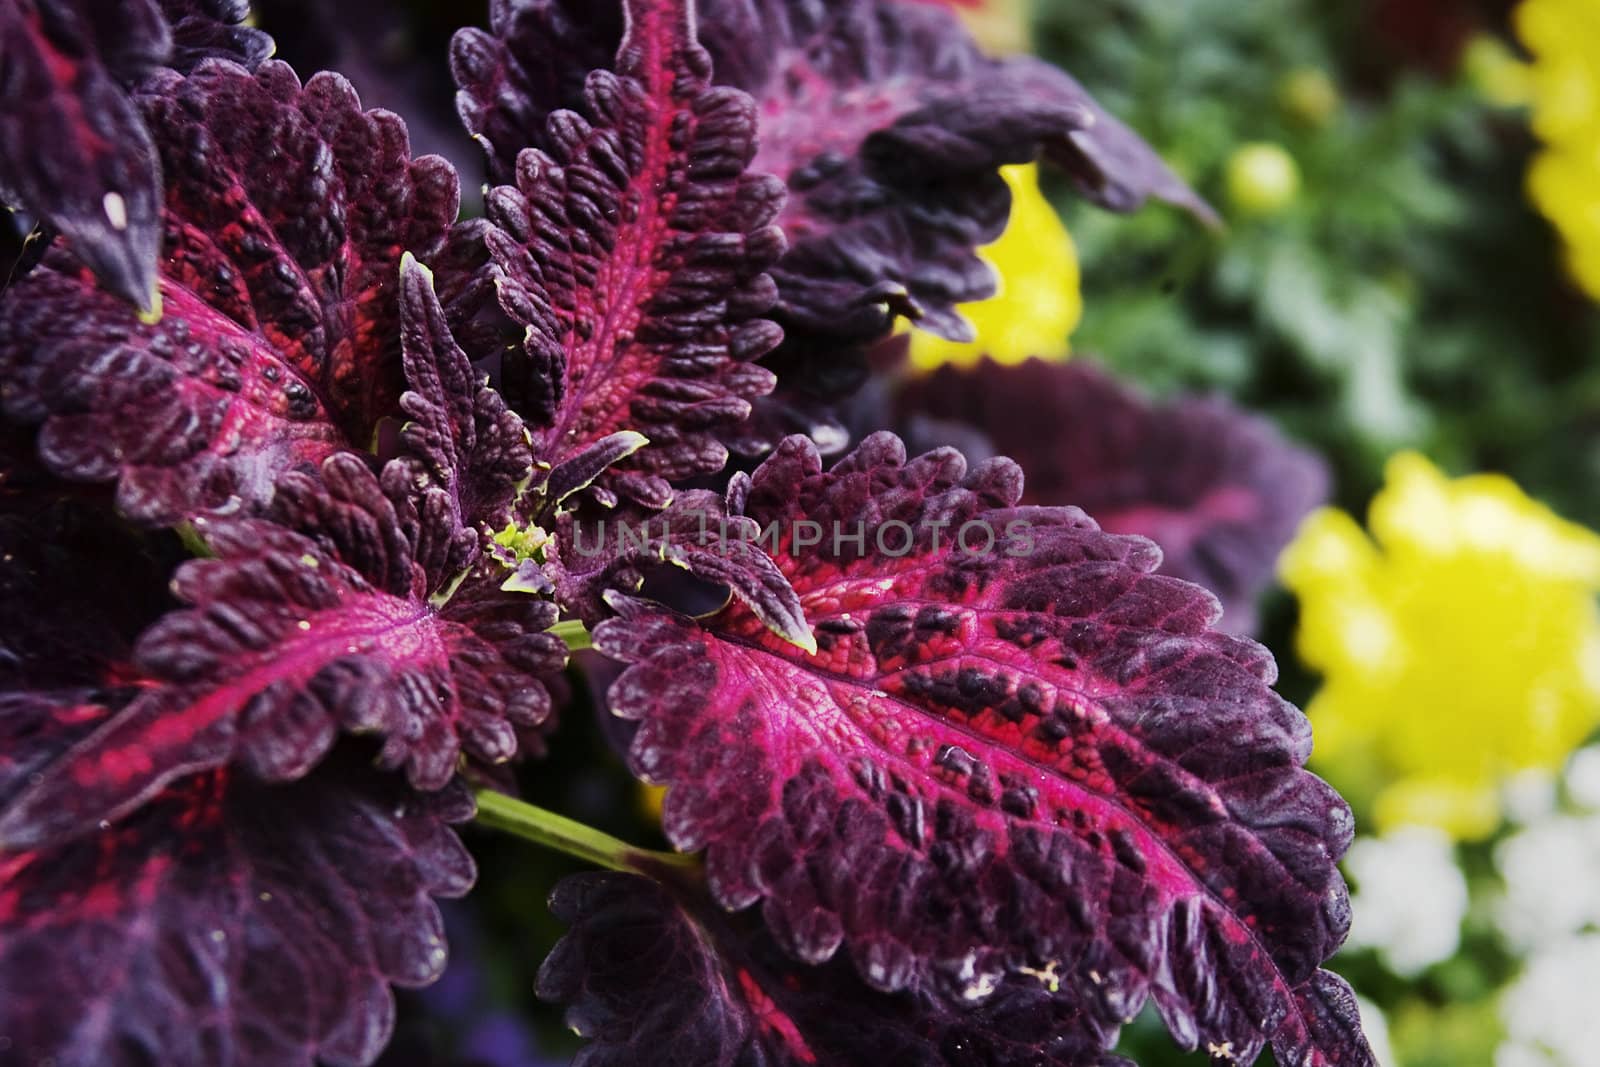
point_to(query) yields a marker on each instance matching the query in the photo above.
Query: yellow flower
(1459, 645)
(1000, 26)
(1564, 83)
(1038, 303)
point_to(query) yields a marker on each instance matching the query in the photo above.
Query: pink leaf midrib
(639, 279)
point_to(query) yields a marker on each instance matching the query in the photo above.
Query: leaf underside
(650, 979)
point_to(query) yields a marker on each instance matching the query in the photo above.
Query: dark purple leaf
(76, 588)
(631, 247)
(791, 411)
(280, 341)
(1217, 488)
(73, 148)
(1026, 757)
(226, 923)
(129, 39)
(354, 610)
(397, 57)
(461, 436)
(651, 979)
(534, 60)
(888, 126)
(211, 29)
(188, 413)
(579, 471)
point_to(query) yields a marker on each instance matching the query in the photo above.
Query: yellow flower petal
(1563, 84)
(1467, 813)
(1459, 644)
(1038, 303)
(999, 26)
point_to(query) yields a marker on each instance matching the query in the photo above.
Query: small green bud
(1262, 179)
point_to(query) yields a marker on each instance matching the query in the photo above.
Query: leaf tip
(412, 267)
(631, 441)
(804, 639)
(150, 305)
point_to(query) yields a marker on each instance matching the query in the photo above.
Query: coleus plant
(310, 487)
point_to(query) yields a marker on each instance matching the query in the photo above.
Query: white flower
(1552, 875)
(1583, 778)
(1410, 897)
(1529, 795)
(1549, 1010)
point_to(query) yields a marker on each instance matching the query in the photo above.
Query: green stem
(574, 633)
(574, 838)
(192, 540)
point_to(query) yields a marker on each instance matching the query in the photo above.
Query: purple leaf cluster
(307, 484)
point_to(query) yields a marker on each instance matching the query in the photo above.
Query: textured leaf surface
(534, 60)
(1217, 488)
(408, 72)
(461, 436)
(211, 29)
(631, 246)
(651, 980)
(888, 126)
(1037, 759)
(73, 148)
(280, 340)
(323, 620)
(226, 923)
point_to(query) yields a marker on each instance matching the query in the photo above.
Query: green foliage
(1407, 296)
